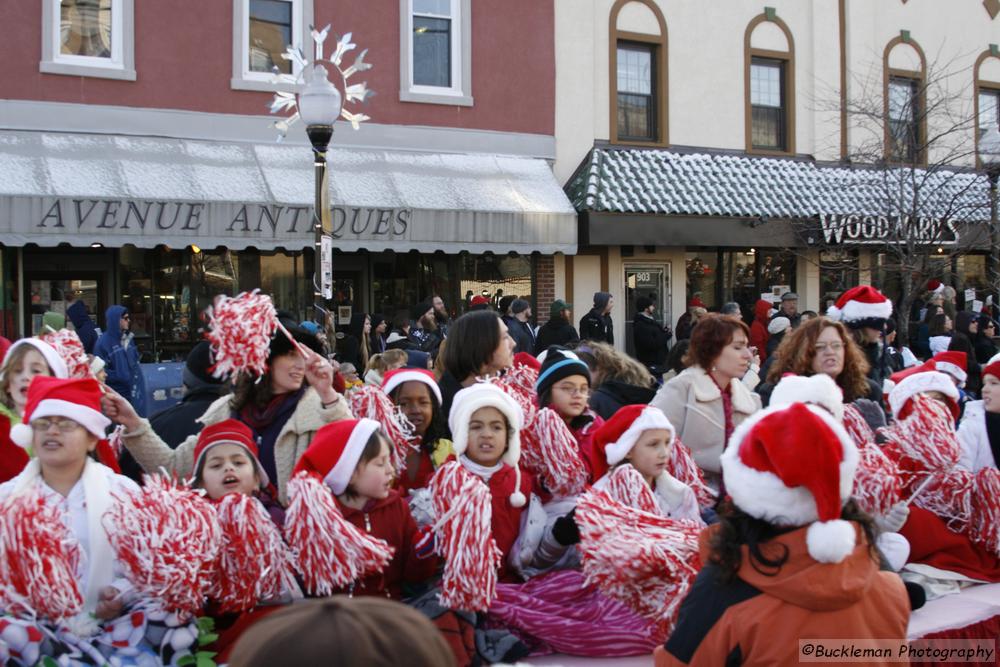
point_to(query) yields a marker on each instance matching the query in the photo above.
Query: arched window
(637, 55)
(769, 85)
(986, 95)
(904, 70)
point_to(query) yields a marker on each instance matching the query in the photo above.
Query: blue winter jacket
(85, 327)
(121, 357)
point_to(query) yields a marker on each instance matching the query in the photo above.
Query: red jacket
(758, 330)
(12, 457)
(506, 517)
(390, 519)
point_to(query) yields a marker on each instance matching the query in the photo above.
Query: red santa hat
(952, 363)
(482, 395)
(525, 359)
(992, 369)
(79, 400)
(935, 286)
(861, 306)
(396, 377)
(794, 465)
(228, 432)
(56, 363)
(921, 383)
(335, 451)
(819, 389)
(616, 437)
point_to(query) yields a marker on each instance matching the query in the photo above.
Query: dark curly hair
(737, 529)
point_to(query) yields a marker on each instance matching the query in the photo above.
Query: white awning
(117, 190)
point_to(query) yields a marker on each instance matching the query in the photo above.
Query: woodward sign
(876, 229)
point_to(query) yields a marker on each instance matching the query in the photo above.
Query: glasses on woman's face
(573, 391)
(832, 347)
(64, 425)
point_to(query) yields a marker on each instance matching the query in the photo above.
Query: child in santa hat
(792, 556)
(351, 459)
(641, 438)
(64, 426)
(22, 361)
(415, 391)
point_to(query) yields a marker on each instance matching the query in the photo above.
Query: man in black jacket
(519, 326)
(558, 330)
(596, 325)
(650, 338)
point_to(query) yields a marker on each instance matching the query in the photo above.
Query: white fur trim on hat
(819, 389)
(90, 419)
(481, 395)
(412, 375)
(340, 476)
(953, 370)
(763, 495)
(56, 363)
(920, 383)
(856, 310)
(650, 418)
(831, 541)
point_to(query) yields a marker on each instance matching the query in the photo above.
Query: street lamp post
(319, 106)
(989, 155)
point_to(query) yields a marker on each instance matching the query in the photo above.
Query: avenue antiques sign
(877, 229)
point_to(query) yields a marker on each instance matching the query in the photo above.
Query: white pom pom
(831, 541)
(517, 499)
(21, 435)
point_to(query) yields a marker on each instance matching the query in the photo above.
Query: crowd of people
(482, 491)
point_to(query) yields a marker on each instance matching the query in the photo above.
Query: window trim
(788, 57)
(978, 85)
(920, 159)
(460, 92)
(782, 65)
(661, 79)
(242, 77)
(121, 64)
(654, 95)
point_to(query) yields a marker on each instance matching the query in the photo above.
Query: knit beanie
(559, 363)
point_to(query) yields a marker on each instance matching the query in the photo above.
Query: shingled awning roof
(643, 181)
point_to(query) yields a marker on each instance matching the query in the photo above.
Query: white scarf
(97, 494)
(485, 472)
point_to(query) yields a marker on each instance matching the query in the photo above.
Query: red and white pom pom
(465, 540)
(39, 559)
(167, 538)
(683, 468)
(519, 383)
(627, 486)
(240, 330)
(67, 344)
(372, 403)
(856, 426)
(877, 484)
(646, 561)
(549, 450)
(254, 565)
(328, 551)
(927, 437)
(949, 495)
(984, 526)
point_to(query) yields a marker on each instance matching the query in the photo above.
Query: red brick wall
(545, 286)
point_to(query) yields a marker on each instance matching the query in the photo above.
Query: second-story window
(270, 31)
(435, 64)
(88, 38)
(989, 110)
(432, 42)
(904, 112)
(768, 106)
(637, 92)
(87, 29)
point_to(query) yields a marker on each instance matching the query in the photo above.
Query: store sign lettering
(138, 216)
(872, 229)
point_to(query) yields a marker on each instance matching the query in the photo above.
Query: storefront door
(47, 291)
(648, 280)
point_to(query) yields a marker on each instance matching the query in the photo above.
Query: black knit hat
(418, 310)
(280, 345)
(559, 363)
(198, 365)
(642, 303)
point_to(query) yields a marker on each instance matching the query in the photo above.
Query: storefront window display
(838, 272)
(702, 274)
(749, 273)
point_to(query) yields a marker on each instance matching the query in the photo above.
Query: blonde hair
(610, 364)
(384, 361)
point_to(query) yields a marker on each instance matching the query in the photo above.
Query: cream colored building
(689, 132)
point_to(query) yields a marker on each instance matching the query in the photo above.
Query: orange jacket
(760, 618)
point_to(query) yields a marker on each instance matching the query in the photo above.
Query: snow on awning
(117, 190)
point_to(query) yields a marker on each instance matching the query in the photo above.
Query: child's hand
(424, 542)
(119, 410)
(109, 604)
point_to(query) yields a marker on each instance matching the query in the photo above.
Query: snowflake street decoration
(285, 101)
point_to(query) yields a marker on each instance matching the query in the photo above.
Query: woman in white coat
(979, 432)
(708, 400)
